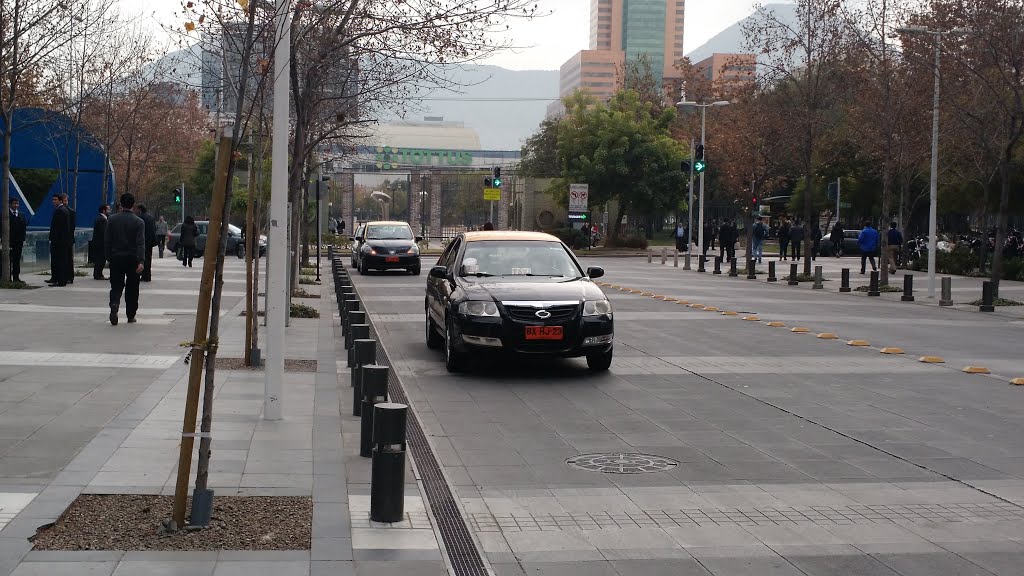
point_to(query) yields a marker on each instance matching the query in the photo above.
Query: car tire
(414, 271)
(433, 337)
(240, 250)
(363, 269)
(454, 361)
(599, 362)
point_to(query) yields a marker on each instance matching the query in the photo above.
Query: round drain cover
(620, 463)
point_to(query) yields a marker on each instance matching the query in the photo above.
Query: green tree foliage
(540, 152)
(623, 150)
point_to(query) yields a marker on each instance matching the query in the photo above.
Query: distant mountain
(732, 41)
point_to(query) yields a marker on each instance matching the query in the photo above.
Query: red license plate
(391, 259)
(543, 332)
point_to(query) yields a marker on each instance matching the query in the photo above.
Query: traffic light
(177, 195)
(753, 202)
(496, 172)
(699, 166)
(833, 189)
(685, 166)
(699, 152)
(488, 183)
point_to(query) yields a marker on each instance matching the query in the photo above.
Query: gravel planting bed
(290, 365)
(135, 522)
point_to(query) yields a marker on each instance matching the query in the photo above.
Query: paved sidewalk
(132, 445)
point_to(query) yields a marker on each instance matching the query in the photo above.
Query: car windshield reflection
(518, 258)
(386, 232)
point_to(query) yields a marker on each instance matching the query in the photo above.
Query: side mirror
(595, 272)
(358, 238)
(419, 239)
(439, 272)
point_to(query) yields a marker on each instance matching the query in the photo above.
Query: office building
(728, 70)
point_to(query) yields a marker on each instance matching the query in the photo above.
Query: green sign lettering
(395, 158)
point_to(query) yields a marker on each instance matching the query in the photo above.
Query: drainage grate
(620, 463)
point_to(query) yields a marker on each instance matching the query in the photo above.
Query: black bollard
(354, 317)
(358, 332)
(375, 391)
(351, 305)
(818, 279)
(845, 285)
(873, 284)
(792, 275)
(751, 271)
(733, 272)
(364, 353)
(700, 263)
(947, 292)
(771, 271)
(908, 288)
(987, 298)
(387, 471)
(718, 265)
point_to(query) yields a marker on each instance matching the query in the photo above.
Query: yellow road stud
(931, 360)
(683, 302)
(800, 329)
(858, 343)
(976, 370)
(1017, 381)
(891, 350)
(729, 313)
(751, 318)
(711, 309)
(696, 305)
(775, 324)
(828, 336)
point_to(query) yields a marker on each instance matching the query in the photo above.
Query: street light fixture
(933, 188)
(689, 208)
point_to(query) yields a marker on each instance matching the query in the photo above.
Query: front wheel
(414, 271)
(600, 361)
(454, 361)
(434, 339)
(240, 250)
(363, 269)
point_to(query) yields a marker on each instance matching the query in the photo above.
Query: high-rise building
(727, 70)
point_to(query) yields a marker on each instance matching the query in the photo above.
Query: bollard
(364, 353)
(354, 317)
(873, 284)
(387, 471)
(845, 285)
(664, 255)
(675, 258)
(330, 251)
(359, 332)
(751, 270)
(908, 288)
(375, 391)
(817, 279)
(947, 292)
(792, 275)
(771, 271)
(987, 298)
(345, 297)
(686, 260)
(649, 256)
(701, 259)
(718, 265)
(733, 272)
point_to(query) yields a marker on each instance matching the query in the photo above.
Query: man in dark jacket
(99, 230)
(60, 243)
(837, 239)
(124, 245)
(19, 224)
(796, 239)
(150, 222)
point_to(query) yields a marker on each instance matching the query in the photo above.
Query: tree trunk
(883, 236)
(808, 214)
(1001, 220)
(5, 186)
(615, 227)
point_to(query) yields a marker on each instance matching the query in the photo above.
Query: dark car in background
(516, 292)
(357, 232)
(386, 245)
(849, 244)
(235, 245)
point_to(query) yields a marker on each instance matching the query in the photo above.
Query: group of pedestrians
(792, 236)
(62, 242)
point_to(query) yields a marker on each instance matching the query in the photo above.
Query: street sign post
(492, 194)
(579, 197)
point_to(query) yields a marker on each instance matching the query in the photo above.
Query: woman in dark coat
(836, 236)
(189, 233)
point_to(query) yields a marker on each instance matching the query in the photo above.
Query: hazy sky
(545, 42)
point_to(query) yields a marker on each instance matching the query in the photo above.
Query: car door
(439, 289)
(356, 245)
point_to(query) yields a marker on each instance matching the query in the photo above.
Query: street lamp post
(703, 138)
(933, 187)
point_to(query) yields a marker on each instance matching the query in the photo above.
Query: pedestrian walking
(59, 243)
(815, 241)
(760, 234)
(97, 247)
(796, 239)
(125, 247)
(723, 239)
(679, 235)
(161, 235)
(894, 242)
(187, 240)
(16, 236)
(728, 235)
(341, 225)
(784, 239)
(150, 231)
(69, 254)
(836, 236)
(709, 239)
(867, 241)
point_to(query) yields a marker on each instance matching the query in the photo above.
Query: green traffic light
(497, 182)
(699, 166)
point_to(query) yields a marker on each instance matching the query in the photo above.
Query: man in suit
(124, 245)
(19, 224)
(150, 234)
(72, 225)
(60, 242)
(99, 230)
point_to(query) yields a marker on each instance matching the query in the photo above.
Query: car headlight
(414, 250)
(478, 308)
(597, 308)
(263, 240)
(369, 250)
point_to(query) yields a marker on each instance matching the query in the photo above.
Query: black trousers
(730, 251)
(161, 242)
(69, 263)
(147, 267)
(864, 260)
(783, 245)
(59, 260)
(796, 246)
(98, 261)
(16, 248)
(124, 278)
(187, 253)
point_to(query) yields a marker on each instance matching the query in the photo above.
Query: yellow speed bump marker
(624, 289)
(668, 299)
(828, 336)
(729, 313)
(891, 350)
(683, 302)
(751, 318)
(775, 324)
(1017, 381)
(976, 370)
(696, 305)
(858, 343)
(931, 360)
(711, 309)
(800, 329)
(647, 293)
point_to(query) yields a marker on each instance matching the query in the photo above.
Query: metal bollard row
(873, 289)
(375, 390)
(792, 275)
(946, 299)
(844, 286)
(364, 353)
(718, 265)
(818, 285)
(908, 288)
(751, 269)
(771, 272)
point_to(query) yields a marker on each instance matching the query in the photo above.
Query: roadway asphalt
(778, 452)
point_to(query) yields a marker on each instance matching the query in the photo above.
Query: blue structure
(46, 140)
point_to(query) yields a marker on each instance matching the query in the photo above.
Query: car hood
(530, 289)
(390, 244)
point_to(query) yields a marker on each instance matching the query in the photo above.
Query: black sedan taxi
(517, 292)
(387, 246)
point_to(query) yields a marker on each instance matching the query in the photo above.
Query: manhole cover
(621, 463)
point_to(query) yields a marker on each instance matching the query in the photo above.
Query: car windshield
(518, 258)
(388, 232)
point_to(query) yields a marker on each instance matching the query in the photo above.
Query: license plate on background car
(391, 259)
(543, 332)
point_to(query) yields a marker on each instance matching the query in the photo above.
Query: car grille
(529, 313)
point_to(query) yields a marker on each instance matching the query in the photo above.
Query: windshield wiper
(538, 275)
(479, 275)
